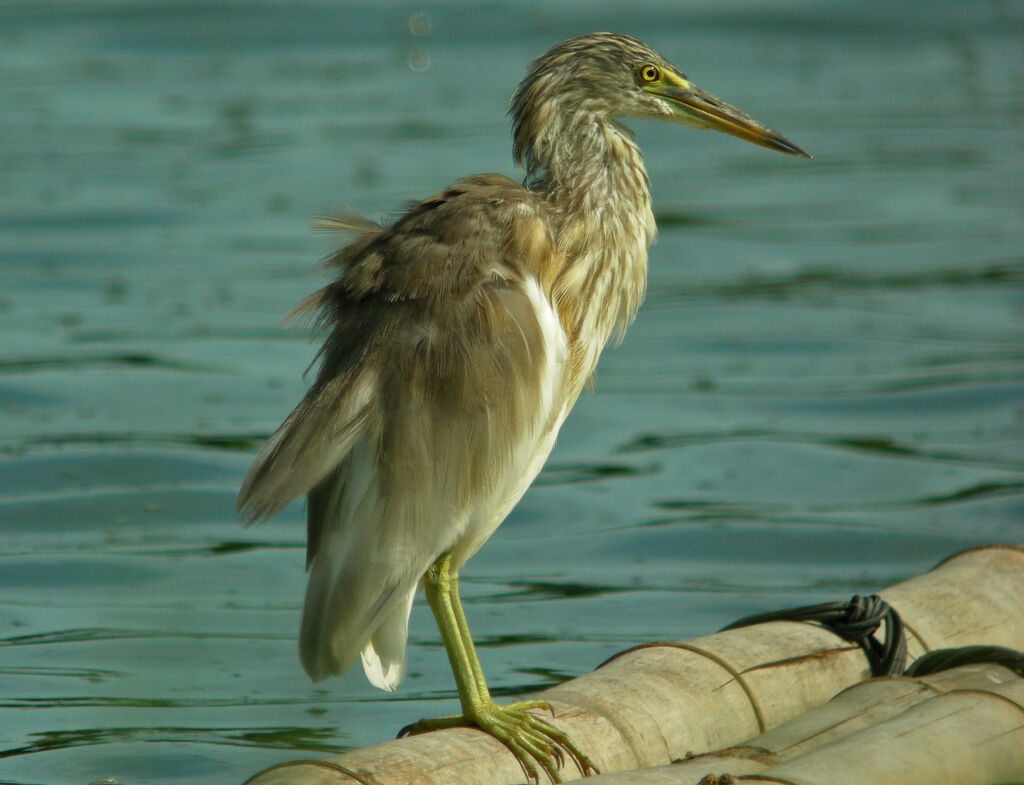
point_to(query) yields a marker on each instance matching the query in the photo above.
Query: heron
(459, 336)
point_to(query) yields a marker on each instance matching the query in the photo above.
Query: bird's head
(607, 75)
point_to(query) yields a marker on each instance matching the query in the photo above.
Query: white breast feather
(534, 445)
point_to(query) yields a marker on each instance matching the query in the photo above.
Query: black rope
(855, 621)
(942, 659)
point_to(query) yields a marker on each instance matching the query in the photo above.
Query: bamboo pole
(969, 737)
(880, 730)
(661, 702)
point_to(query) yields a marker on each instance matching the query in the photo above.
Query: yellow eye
(649, 73)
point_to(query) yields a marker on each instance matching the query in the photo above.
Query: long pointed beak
(693, 106)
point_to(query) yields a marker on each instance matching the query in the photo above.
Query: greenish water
(823, 394)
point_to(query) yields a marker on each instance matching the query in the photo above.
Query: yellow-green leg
(531, 739)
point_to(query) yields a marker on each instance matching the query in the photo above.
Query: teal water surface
(823, 394)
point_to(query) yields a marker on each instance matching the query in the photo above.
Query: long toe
(533, 740)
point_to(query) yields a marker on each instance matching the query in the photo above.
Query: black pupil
(649, 73)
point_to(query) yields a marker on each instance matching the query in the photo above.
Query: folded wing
(436, 385)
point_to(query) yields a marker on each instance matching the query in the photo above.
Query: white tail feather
(384, 655)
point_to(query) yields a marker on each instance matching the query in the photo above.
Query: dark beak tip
(783, 145)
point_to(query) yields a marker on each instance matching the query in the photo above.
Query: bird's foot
(533, 740)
